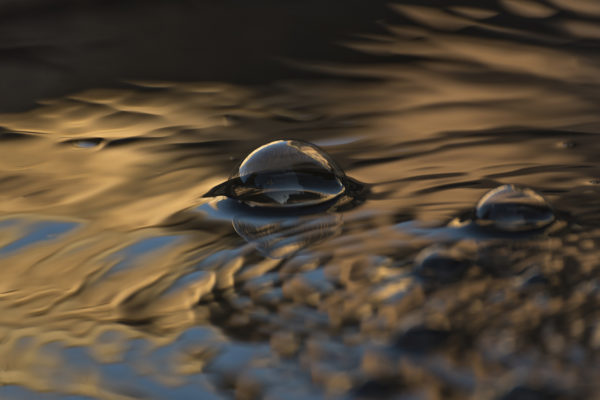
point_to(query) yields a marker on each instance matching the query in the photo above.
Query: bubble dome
(514, 209)
(284, 173)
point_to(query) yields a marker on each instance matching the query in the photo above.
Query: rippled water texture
(118, 280)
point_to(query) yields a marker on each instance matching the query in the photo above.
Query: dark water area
(455, 257)
(53, 48)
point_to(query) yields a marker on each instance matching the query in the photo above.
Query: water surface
(120, 281)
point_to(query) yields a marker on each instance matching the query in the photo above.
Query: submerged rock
(513, 209)
(422, 340)
(441, 265)
(285, 173)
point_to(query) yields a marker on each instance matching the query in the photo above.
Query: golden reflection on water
(476, 104)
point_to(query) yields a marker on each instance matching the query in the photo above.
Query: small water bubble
(285, 173)
(514, 209)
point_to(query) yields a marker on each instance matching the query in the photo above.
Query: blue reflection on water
(143, 247)
(13, 392)
(38, 232)
(120, 377)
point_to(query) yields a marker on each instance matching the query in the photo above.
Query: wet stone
(440, 265)
(422, 340)
(529, 393)
(271, 298)
(509, 257)
(308, 287)
(284, 173)
(535, 281)
(513, 209)
(266, 281)
(376, 389)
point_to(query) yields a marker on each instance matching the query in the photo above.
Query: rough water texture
(119, 280)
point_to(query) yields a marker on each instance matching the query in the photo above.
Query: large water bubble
(285, 173)
(514, 209)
